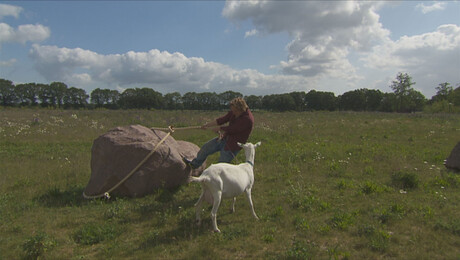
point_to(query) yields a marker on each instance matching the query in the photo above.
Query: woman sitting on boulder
(240, 124)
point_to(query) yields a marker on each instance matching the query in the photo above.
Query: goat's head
(249, 145)
(249, 150)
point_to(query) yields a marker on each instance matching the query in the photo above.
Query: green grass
(329, 185)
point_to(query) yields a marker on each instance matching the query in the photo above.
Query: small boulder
(116, 153)
(453, 161)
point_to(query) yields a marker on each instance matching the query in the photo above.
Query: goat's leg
(248, 194)
(217, 198)
(198, 206)
(232, 210)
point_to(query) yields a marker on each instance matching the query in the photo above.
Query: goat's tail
(197, 179)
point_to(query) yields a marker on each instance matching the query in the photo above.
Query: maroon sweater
(238, 129)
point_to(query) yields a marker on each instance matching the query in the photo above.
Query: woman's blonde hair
(239, 104)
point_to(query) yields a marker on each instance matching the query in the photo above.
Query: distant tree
(407, 99)
(279, 102)
(353, 100)
(57, 90)
(285, 102)
(7, 93)
(141, 98)
(105, 98)
(269, 102)
(443, 92)
(388, 103)
(208, 101)
(416, 101)
(44, 95)
(299, 100)
(360, 100)
(456, 96)
(373, 99)
(173, 101)
(402, 84)
(97, 97)
(317, 100)
(445, 99)
(75, 98)
(190, 101)
(20, 91)
(254, 102)
(128, 99)
(227, 96)
(27, 94)
(113, 98)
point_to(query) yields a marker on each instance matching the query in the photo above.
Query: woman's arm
(210, 124)
(219, 121)
(214, 129)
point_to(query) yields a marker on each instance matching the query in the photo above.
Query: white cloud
(32, 33)
(9, 10)
(24, 33)
(80, 79)
(328, 37)
(250, 33)
(8, 63)
(436, 6)
(430, 58)
(324, 32)
(412, 51)
(164, 71)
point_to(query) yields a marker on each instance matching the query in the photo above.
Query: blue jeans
(213, 146)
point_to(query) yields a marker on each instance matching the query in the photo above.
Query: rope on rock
(170, 130)
(174, 129)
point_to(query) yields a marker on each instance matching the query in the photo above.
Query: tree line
(404, 98)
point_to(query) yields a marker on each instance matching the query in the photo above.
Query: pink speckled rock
(116, 153)
(453, 161)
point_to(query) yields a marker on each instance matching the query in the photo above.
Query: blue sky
(254, 47)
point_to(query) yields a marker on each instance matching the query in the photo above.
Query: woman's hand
(210, 124)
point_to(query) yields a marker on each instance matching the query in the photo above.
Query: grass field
(328, 185)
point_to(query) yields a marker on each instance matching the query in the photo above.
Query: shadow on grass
(172, 220)
(184, 228)
(180, 233)
(55, 198)
(73, 197)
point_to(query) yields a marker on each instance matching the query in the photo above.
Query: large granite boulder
(453, 161)
(116, 153)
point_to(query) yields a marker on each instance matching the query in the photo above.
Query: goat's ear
(240, 144)
(257, 144)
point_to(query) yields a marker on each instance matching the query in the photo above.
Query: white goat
(224, 180)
